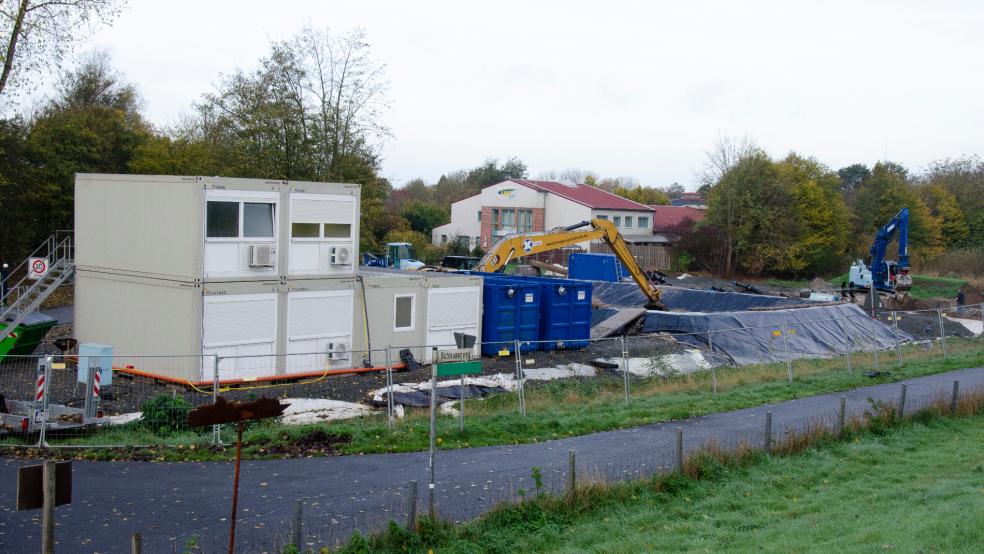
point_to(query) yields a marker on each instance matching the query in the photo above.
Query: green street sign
(460, 368)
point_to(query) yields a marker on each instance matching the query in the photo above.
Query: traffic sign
(37, 268)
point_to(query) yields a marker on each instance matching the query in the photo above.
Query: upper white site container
(215, 229)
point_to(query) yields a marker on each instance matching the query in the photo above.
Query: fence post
(298, 526)
(841, 412)
(412, 507)
(850, 345)
(571, 472)
(44, 368)
(389, 388)
(216, 429)
(136, 543)
(874, 344)
(433, 440)
(461, 406)
(898, 344)
(520, 389)
(768, 432)
(954, 397)
(902, 402)
(710, 350)
(939, 313)
(785, 345)
(679, 450)
(625, 372)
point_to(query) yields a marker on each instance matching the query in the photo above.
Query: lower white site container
(264, 329)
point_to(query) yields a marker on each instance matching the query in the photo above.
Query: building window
(229, 220)
(643, 222)
(444, 239)
(305, 230)
(338, 230)
(257, 220)
(222, 220)
(617, 220)
(480, 215)
(403, 307)
(512, 220)
(605, 217)
(628, 222)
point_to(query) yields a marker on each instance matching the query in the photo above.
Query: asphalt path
(179, 505)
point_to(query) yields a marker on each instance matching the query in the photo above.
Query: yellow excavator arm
(515, 246)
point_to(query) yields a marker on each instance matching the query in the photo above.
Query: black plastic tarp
(749, 337)
(676, 298)
(444, 394)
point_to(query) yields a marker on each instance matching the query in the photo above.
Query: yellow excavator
(518, 245)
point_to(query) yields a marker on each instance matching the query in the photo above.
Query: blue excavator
(885, 275)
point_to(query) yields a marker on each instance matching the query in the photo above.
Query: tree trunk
(8, 62)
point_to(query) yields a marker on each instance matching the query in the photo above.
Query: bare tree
(722, 156)
(36, 34)
(349, 91)
(571, 175)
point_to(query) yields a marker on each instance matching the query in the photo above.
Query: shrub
(165, 414)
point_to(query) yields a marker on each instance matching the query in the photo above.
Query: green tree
(879, 199)
(964, 179)
(950, 219)
(643, 195)
(423, 217)
(824, 223)
(36, 34)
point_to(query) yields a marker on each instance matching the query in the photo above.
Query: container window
(257, 220)
(643, 222)
(222, 219)
(338, 230)
(305, 230)
(403, 312)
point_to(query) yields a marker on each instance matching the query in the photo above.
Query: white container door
(242, 330)
(319, 330)
(452, 310)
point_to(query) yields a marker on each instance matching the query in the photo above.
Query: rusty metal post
(679, 449)
(571, 472)
(901, 413)
(48, 507)
(412, 507)
(954, 397)
(235, 487)
(136, 543)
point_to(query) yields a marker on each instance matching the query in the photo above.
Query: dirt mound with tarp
(750, 337)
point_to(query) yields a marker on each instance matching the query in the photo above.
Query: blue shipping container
(565, 312)
(511, 312)
(595, 267)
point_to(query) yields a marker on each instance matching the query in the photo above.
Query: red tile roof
(586, 195)
(668, 216)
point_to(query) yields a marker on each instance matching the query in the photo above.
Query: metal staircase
(23, 295)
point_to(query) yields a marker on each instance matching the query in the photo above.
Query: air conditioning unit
(340, 255)
(338, 351)
(262, 255)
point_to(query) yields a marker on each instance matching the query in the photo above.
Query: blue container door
(511, 313)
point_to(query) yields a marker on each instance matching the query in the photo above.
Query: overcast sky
(624, 88)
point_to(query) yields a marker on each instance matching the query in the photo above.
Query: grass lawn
(924, 287)
(554, 410)
(914, 488)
